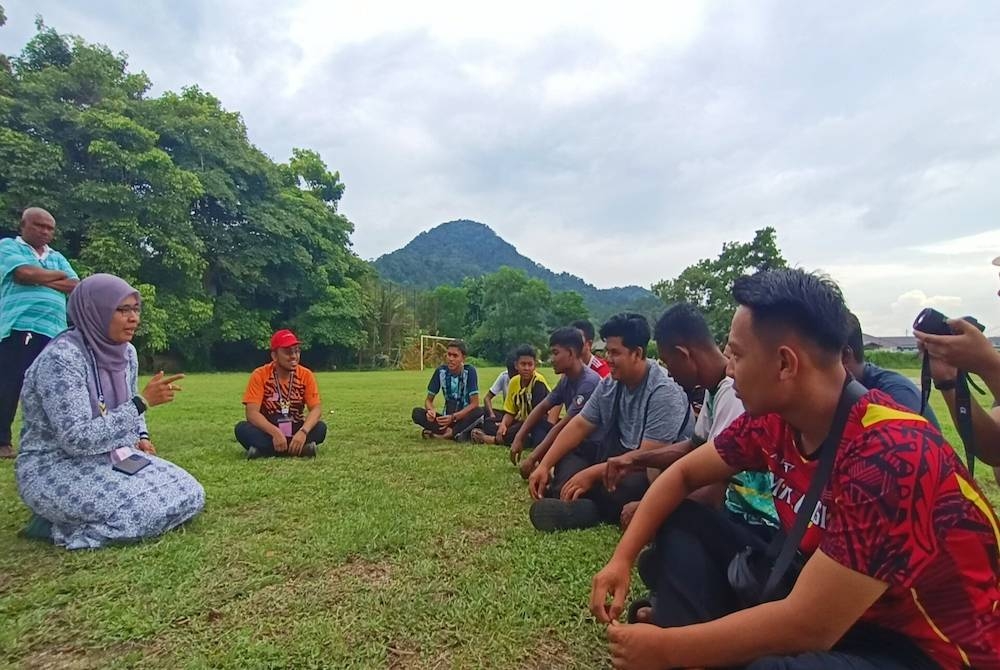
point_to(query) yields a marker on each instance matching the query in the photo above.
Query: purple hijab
(92, 305)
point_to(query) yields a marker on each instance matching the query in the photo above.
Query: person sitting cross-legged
(594, 362)
(528, 388)
(499, 390)
(275, 401)
(459, 384)
(572, 392)
(686, 346)
(637, 407)
(889, 554)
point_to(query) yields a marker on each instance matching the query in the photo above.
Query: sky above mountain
(621, 141)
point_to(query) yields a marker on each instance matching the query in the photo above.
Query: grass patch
(385, 552)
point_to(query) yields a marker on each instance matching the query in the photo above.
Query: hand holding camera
(955, 344)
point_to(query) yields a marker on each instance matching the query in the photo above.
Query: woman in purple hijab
(84, 417)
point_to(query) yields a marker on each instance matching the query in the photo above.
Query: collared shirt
(29, 307)
(300, 392)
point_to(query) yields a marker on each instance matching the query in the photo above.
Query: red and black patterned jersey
(900, 507)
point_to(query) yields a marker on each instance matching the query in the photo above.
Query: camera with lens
(933, 322)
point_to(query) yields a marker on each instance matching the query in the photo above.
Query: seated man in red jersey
(898, 560)
(595, 363)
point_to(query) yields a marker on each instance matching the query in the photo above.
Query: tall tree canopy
(709, 282)
(499, 311)
(168, 192)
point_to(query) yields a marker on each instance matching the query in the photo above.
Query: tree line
(226, 244)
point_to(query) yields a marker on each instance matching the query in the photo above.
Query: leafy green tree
(708, 283)
(445, 311)
(566, 307)
(168, 192)
(516, 312)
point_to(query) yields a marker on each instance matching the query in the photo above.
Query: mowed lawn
(387, 551)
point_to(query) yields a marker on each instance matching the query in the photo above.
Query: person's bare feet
(479, 436)
(6, 451)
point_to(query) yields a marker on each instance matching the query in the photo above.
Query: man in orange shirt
(276, 399)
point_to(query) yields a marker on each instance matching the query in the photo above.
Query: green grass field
(385, 552)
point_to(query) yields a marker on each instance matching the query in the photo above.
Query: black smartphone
(132, 464)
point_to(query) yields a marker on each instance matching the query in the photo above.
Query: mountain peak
(452, 251)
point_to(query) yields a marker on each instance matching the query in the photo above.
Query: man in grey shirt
(637, 406)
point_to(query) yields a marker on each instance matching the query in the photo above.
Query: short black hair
(682, 324)
(511, 363)
(585, 327)
(525, 350)
(855, 339)
(810, 304)
(631, 327)
(460, 345)
(570, 337)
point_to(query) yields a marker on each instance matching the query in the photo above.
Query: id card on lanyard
(284, 404)
(101, 405)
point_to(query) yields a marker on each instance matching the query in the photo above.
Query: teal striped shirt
(27, 307)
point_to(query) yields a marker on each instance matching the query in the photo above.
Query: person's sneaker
(6, 451)
(310, 450)
(551, 514)
(253, 453)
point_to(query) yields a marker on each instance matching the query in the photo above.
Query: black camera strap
(850, 394)
(963, 408)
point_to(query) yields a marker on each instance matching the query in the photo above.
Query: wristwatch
(140, 403)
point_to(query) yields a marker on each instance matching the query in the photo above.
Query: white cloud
(624, 141)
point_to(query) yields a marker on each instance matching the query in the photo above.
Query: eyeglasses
(127, 310)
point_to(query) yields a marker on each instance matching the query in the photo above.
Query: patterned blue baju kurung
(63, 465)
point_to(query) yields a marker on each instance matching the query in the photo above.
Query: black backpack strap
(852, 391)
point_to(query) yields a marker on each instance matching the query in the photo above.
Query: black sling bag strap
(827, 454)
(963, 408)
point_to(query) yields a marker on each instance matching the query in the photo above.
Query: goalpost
(430, 337)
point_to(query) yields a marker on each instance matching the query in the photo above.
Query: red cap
(282, 339)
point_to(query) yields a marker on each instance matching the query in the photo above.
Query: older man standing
(34, 282)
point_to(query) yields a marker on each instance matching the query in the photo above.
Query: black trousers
(420, 418)
(686, 573)
(250, 435)
(17, 353)
(535, 438)
(609, 504)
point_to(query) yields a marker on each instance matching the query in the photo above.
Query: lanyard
(283, 403)
(101, 405)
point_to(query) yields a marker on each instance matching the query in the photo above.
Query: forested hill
(450, 252)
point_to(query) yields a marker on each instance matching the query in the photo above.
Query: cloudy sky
(621, 141)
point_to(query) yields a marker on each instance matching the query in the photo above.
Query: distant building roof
(907, 343)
